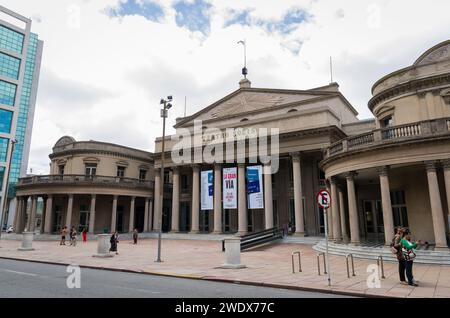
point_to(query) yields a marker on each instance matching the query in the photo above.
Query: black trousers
(409, 271)
(401, 270)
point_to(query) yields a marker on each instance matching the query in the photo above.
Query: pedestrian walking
(409, 255)
(135, 236)
(84, 234)
(396, 248)
(73, 237)
(63, 236)
(114, 240)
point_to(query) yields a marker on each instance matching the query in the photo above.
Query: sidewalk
(269, 266)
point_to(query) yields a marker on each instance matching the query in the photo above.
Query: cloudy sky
(107, 63)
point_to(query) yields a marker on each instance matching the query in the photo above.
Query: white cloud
(120, 68)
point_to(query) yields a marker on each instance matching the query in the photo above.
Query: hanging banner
(255, 187)
(229, 186)
(207, 190)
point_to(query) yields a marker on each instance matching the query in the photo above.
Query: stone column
(268, 200)
(157, 199)
(69, 211)
(32, 219)
(217, 199)
(195, 199)
(344, 230)
(352, 209)
(132, 213)
(388, 218)
(242, 201)
(150, 215)
(17, 214)
(446, 165)
(329, 215)
(337, 235)
(92, 214)
(22, 216)
(48, 214)
(114, 214)
(175, 200)
(298, 195)
(436, 207)
(146, 214)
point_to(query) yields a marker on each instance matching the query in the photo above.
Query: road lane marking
(20, 273)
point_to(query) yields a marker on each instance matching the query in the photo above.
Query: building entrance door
(84, 219)
(139, 218)
(373, 219)
(185, 217)
(204, 221)
(58, 220)
(119, 223)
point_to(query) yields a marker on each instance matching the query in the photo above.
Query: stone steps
(365, 252)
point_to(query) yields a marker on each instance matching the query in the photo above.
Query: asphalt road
(35, 280)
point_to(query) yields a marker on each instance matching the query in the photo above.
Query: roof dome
(437, 53)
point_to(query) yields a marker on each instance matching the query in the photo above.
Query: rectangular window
(61, 169)
(166, 177)
(399, 208)
(121, 172)
(91, 169)
(11, 40)
(5, 121)
(7, 93)
(9, 66)
(184, 183)
(3, 149)
(142, 174)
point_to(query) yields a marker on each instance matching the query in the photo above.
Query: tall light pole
(5, 197)
(164, 112)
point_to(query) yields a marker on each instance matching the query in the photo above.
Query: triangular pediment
(246, 101)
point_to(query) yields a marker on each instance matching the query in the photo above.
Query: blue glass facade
(9, 66)
(11, 40)
(5, 121)
(3, 148)
(23, 112)
(7, 93)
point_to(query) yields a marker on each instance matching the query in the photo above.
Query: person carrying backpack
(396, 249)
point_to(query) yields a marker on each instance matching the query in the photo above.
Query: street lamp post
(164, 111)
(5, 197)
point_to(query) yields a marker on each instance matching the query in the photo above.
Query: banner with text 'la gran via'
(229, 187)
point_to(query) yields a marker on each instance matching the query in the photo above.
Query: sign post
(323, 199)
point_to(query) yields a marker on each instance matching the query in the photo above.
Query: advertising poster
(229, 188)
(255, 188)
(207, 190)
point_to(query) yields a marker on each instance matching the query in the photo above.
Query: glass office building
(20, 58)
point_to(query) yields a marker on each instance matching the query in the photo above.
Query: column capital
(383, 171)
(115, 197)
(350, 175)
(431, 166)
(195, 167)
(217, 165)
(93, 196)
(446, 164)
(157, 170)
(175, 169)
(334, 180)
(296, 156)
(241, 165)
(133, 197)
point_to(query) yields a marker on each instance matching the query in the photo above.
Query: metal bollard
(324, 264)
(299, 262)
(380, 261)
(353, 265)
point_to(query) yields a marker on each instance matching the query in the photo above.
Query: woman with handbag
(409, 255)
(396, 249)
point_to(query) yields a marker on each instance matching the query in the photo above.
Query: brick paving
(269, 265)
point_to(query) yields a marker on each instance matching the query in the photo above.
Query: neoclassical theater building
(94, 185)
(393, 170)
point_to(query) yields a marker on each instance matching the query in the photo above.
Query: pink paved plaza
(265, 266)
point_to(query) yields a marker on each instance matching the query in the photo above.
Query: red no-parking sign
(323, 199)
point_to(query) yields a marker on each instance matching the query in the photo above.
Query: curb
(208, 278)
